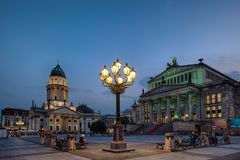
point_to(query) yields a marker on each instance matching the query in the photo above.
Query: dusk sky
(83, 35)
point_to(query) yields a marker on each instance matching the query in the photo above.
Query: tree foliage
(98, 127)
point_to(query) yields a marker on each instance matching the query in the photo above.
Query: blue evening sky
(83, 35)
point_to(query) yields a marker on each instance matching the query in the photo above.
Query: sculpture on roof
(173, 63)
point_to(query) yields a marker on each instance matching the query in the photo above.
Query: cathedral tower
(57, 89)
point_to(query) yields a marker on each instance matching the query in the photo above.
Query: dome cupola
(58, 71)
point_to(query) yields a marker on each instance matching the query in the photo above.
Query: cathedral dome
(84, 109)
(58, 71)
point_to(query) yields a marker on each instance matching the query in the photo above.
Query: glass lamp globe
(133, 74)
(109, 80)
(104, 71)
(129, 79)
(118, 64)
(119, 80)
(114, 68)
(126, 69)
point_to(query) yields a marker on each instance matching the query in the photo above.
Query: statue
(173, 63)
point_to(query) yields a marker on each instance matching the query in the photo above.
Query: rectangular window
(168, 81)
(57, 120)
(182, 78)
(69, 128)
(220, 115)
(186, 77)
(155, 117)
(178, 79)
(57, 128)
(171, 81)
(219, 97)
(213, 115)
(88, 124)
(51, 128)
(208, 99)
(213, 98)
(175, 81)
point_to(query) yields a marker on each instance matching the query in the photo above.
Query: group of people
(197, 139)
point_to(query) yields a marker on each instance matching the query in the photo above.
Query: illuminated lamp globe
(133, 74)
(126, 69)
(109, 80)
(114, 68)
(118, 64)
(129, 79)
(104, 71)
(119, 80)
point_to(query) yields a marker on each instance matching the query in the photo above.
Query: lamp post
(117, 84)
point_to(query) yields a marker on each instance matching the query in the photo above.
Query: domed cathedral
(57, 89)
(56, 115)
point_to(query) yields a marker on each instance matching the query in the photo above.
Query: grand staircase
(154, 129)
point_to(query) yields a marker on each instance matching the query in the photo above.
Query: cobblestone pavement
(27, 148)
(18, 149)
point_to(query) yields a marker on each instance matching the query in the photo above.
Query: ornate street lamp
(117, 84)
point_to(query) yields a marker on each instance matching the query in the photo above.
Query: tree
(98, 127)
(125, 120)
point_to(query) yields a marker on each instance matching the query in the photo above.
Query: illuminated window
(219, 115)
(219, 97)
(219, 107)
(208, 111)
(213, 98)
(208, 108)
(213, 108)
(208, 99)
(214, 115)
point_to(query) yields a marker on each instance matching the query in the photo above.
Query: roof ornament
(200, 60)
(173, 63)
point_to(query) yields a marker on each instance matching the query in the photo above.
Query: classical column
(198, 108)
(141, 112)
(178, 107)
(150, 114)
(168, 112)
(159, 114)
(84, 124)
(190, 106)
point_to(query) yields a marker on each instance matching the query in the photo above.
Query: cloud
(234, 74)
(143, 82)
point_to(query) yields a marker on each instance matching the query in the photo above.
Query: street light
(117, 83)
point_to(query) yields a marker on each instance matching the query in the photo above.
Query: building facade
(14, 118)
(56, 114)
(193, 93)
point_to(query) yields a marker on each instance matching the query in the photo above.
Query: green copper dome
(58, 71)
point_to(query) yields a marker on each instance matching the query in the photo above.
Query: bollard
(71, 142)
(53, 139)
(204, 140)
(42, 138)
(169, 142)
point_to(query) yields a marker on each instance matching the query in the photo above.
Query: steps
(154, 129)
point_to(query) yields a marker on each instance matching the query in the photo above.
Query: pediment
(64, 111)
